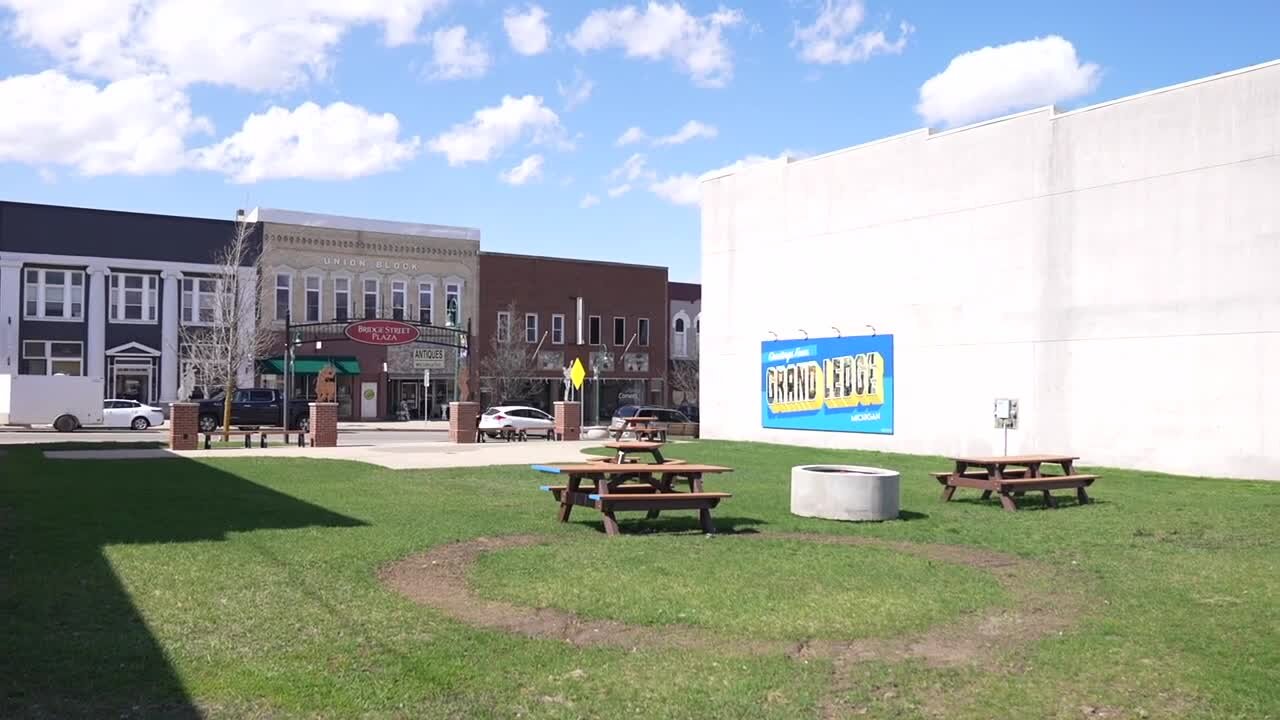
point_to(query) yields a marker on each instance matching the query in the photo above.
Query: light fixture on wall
(319, 344)
(774, 334)
(873, 330)
(384, 367)
(833, 327)
(805, 332)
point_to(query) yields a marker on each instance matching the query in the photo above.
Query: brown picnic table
(626, 448)
(642, 427)
(616, 486)
(1010, 476)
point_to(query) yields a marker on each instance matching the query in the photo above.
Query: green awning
(312, 365)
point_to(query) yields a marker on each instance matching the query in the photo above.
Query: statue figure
(327, 385)
(186, 385)
(568, 383)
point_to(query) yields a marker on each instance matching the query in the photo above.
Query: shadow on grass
(75, 645)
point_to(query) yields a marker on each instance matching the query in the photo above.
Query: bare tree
(685, 377)
(221, 332)
(507, 369)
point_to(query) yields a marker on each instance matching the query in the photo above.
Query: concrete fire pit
(844, 492)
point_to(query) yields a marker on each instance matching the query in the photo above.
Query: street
(353, 436)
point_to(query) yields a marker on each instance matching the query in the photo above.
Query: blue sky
(396, 109)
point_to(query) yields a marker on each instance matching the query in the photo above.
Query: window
(341, 298)
(54, 294)
(504, 326)
(399, 298)
(642, 327)
(313, 298)
(619, 331)
(530, 328)
(426, 296)
(51, 357)
(200, 301)
(593, 330)
(452, 304)
(133, 298)
(557, 329)
(284, 295)
(371, 301)
(697, 333)
(681, 345)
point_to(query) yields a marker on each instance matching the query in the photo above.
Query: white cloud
(527, 31)
(685, 188)
(691, 131)
(995, 80)
(664, 31)
(620, 190)
(136, 126)
(454, 56)
(491, 130)
(833, 38)
(588, 200)
(256, 46)
(336, 142)
(631, 136)
(529, 169)
(576, 92)
(635, 168)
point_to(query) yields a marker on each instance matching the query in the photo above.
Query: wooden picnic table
(625, 448)
(1013, 475)
(643, 427)
(608, 491)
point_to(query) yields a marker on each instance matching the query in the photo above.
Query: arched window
(681, 345)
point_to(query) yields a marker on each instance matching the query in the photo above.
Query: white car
(515, 417)
(130, 414)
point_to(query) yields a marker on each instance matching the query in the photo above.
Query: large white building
(1115, 269)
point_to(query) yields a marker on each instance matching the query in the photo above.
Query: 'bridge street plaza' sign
(382, 332)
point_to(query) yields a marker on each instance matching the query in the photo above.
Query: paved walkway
(401, 456)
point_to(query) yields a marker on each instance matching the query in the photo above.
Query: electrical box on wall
(1006, 414)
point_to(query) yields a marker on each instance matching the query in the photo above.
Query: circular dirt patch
(1042, 602)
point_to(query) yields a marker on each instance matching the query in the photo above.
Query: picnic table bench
(608, 492)
(1010, 476)
(248, 436)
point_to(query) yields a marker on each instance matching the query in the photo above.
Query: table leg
(986, 494)
(664, 486)
(695, 482)
(948, 492)
(1082, 496)
(566, 499)
(657, 456)
(610, 523)
(1007, 502)
(1048, 500)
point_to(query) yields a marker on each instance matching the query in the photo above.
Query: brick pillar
(184, 426)
(324, 424)
(464, 418)
(568, 420)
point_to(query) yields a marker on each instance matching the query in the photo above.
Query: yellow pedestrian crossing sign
(577, 373)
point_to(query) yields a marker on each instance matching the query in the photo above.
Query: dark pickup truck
(254, 407)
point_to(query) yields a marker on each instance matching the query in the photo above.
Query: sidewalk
(401, 456)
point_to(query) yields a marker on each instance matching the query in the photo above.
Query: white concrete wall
(1115, 268)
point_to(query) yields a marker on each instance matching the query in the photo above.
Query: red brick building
(611, 316)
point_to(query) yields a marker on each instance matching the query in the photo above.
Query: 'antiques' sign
(382, 332)
(428, 359)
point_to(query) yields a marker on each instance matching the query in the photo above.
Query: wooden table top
(630, 469)
(636, 445)
(1014, 459)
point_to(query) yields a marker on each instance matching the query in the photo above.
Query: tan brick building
(321, 268)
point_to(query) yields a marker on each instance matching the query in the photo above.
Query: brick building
(611, 316)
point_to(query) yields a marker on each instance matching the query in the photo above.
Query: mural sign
(842, 384)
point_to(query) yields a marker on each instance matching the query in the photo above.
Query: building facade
(103, 294)
(321, 268)
(611, 316)
(1112, 268)
(685, 303)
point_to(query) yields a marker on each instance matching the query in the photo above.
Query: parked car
(254, 407)
(130, 414)
(660, 414)
(515, 417)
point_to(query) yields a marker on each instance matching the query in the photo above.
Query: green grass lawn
(234, 587)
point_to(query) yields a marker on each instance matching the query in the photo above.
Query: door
(113, 413)
(267, 409)
(369, 400)
(133, 383)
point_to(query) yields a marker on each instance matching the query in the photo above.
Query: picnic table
(1010, 476)
(642, 427)
(617, 486)
(626, 448)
